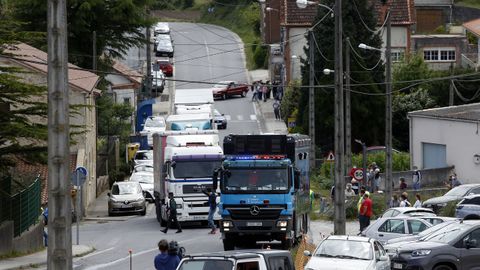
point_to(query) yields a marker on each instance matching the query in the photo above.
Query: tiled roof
(128, 72)
(469, 112)
(25, 167)
(82, 79)
(291, 15)
(473, 26)
(402, 11)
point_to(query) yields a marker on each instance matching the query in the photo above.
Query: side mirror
(307, 253)
(173, 164)
(223, 114)
(296, 180)
(469, 243)
(109, 194)
(383, 258)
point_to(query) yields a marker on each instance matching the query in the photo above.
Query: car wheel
(225, 126)
(244, 94)
(224, 96)
(144, 212)
(442, 267)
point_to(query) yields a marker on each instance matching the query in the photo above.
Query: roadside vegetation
(468, 3)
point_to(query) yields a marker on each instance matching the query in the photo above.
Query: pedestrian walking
(404, 200)
(172, 214)
(416, 179)
(164, 260)
(274, 89)
(269, 89)
(264, 92)
(394, 202)
(276, 109)
(212, 203)
(418, 202)
(254, 91)
(365, 212)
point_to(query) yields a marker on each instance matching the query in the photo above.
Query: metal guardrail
(23, 207)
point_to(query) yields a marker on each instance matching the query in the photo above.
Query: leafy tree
(367, 109)
(113, 118)
(119, 25)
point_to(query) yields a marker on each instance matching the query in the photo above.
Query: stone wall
(27, 242)
(6, 237)
(430, 177)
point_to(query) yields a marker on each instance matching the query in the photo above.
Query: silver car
(143, 157)
(384, 229)
(408, 211)
(145, 179)
(126, 197)
(348, 252)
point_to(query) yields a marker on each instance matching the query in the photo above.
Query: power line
(363, 22)
(360, 64)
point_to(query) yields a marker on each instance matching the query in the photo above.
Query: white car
(158, 37)
(161, 28)
(145, 179)
(384, 229)
(153, 124)
(348, 252)
(143, 157)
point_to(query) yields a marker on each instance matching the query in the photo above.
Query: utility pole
(348, 118)
(59, 254)
(450, 94)
(339, 221)
(94, 65)
(311, 99)
(149, 63)
(388, 112)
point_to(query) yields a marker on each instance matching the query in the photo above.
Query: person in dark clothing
(212, 202)
(172, 214)
(165, 261)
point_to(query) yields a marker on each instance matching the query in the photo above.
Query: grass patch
(469, 3)
(16, 254)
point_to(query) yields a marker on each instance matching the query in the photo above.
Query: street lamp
(328, 71)
(339, 220)
(366, 47)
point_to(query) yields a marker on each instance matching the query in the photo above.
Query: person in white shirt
(418, 202)
(404, 200)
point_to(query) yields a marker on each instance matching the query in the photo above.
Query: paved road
(203, 53)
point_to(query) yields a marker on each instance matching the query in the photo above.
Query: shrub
(260, 56)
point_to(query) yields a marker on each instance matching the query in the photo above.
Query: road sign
(358, 174)
(155, 67)
(82, 170)
(331, 156)
(81, 178)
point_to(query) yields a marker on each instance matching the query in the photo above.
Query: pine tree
(367, 110)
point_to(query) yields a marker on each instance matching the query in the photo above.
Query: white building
(448, 136)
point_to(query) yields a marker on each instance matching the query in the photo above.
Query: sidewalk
(38, 259)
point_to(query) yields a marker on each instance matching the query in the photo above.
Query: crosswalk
(241, 118)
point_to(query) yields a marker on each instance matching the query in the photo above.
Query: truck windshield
(256, 180)
(195, 169)
(206, 264)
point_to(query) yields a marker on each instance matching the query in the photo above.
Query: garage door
(434, 155)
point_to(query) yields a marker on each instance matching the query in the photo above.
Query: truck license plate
(254, 224)
(397, 266)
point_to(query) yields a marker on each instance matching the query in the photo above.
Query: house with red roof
(82, 93)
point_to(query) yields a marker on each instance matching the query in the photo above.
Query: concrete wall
(296, 43)
(30, 240)
(6, 237)
(462, 140)
(430, 177)
(459, 43)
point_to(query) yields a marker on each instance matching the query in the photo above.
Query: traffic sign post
(80, 175)
(358, 174)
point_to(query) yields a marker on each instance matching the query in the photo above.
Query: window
(248, 266)
(474, 200)
(126, 100)
(397, 56)
(393, 226)
(439, 54)
(279, 263)
(416, 226)
(475, 236)
(433, 221)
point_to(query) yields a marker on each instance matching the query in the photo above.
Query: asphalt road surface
(203, 54)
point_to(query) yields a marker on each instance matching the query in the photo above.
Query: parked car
(164, 47)
(145, 179)
(379, 149)
(161, 28)
(468, 208)
(407, 211)
(153, 124)
(384, 229)
(143, 168)
(165, 66)
(226, 89)
(143, 157)
(392, 245)
(158, 81)
(220, 120)
(348, 252)
(456, 247)
(455, 194)
(434, 220)
(126, 197)
(159, 37)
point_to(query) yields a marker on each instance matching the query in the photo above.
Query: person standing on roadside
(165, 261)
(365, 212)
(359, 206)
(276, 109)
(212, 203)
(265, 91)
(404, 200)
(418, 202)
(172, 214)
(416, 178)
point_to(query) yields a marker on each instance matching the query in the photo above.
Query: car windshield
(221, 85)
(433, 229)
(142, 178)
(447, 234)
(458, 191)
(345, 249)
(125, 188)
(144, 156)
(217, 113)
(206, 264)
(257, 180)
(144, 169)
(154, 123)
(195, 169)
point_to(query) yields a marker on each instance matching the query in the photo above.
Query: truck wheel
(228, 244)
(224, 96)
(243, 94)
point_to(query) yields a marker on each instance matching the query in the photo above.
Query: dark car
(220, 120)
(165, 66)
(164, 47)
(455, 247)
(455, 194)
(469, 208)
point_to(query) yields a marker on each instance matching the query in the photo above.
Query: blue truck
(264, 184)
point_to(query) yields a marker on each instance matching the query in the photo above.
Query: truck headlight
(282, 223)
(421, 252)
(227, 224)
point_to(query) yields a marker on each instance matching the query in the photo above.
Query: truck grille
(195, 189)
(240, 212)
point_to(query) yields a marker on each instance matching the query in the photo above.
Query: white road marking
(253, 117)
(208, 57)
(96, 253)
(240, 117)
